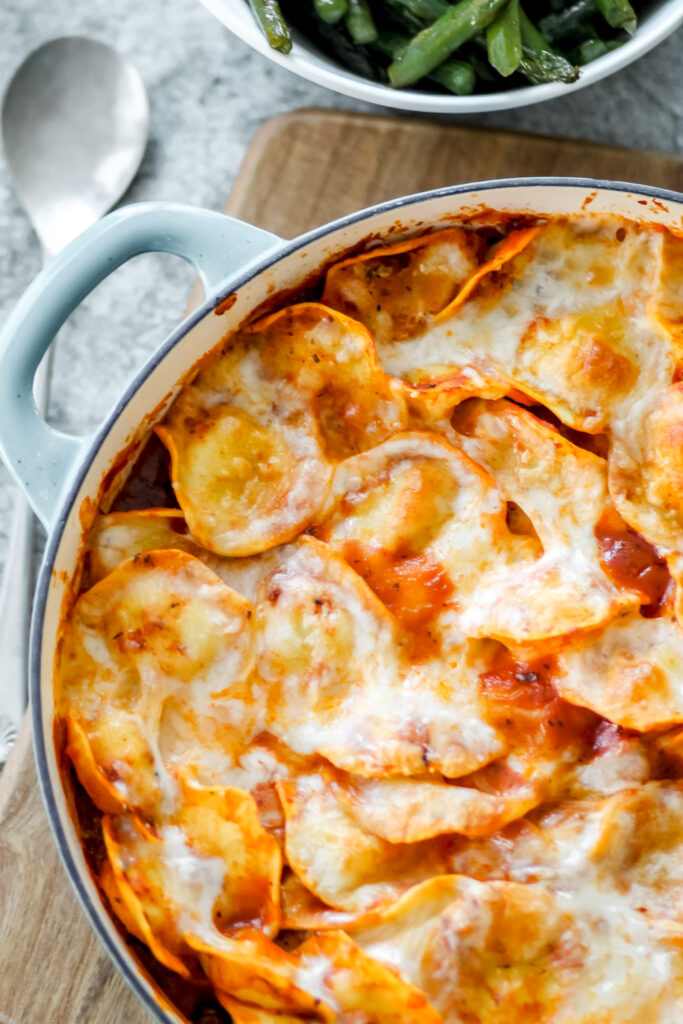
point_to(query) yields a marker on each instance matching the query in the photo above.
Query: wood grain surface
(302, 169)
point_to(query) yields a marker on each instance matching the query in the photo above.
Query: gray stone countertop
(209, 93)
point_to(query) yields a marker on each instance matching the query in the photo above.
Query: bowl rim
(44, 748)
(237, 17)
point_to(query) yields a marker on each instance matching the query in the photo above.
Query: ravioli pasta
(383, 722)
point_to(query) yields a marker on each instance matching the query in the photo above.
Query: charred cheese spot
(395, 291)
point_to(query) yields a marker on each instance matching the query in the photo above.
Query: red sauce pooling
(414, 588)
(524, 684)
(524, 704)
(632, 562)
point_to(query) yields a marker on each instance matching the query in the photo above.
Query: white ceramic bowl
(308, 61)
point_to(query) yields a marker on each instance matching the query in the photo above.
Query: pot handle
(42, 459)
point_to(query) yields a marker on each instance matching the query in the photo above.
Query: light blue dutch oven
(63, 475)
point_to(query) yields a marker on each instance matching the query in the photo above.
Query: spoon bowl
(74, 125)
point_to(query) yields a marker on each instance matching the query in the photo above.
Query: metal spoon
(75, 119)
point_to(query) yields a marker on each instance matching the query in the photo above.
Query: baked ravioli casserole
(372, 700)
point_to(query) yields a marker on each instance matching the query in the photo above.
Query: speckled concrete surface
(209, 93)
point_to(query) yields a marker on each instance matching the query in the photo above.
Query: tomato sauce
(524, 705)
(414, 588)
(632, 562)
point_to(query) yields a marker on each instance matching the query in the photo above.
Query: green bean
(359, 22)
(555, 26)
(504, 40)
(540, 63)
(545, 66)
(588, 50)
(273, 24)
(330, 11)
(456, 43)
(427, 10)
(531, 37)
(591, 49)
(618, 14)
(434, 44)
(337, 42)
(455, 75)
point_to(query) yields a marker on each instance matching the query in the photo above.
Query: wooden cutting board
(302, 169)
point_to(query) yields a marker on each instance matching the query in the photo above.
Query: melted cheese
(632, 672)
(491, 952)
(614, 866)
(156, 664)
(562, 489)
(395, 291)
(205, 868)
(341, 863)
(343, 710)
(409, 810)
(339, 685)
(122, 535)
(418, 500)
(251, 439)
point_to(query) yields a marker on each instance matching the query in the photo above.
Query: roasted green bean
(360, 23)
(504, 40)
(437, 42)
(456, 45)
(618, 14)
(273, 24)
(331, 11)
(428, 10)
(545, 66)
(455, 75)
(540, 64)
